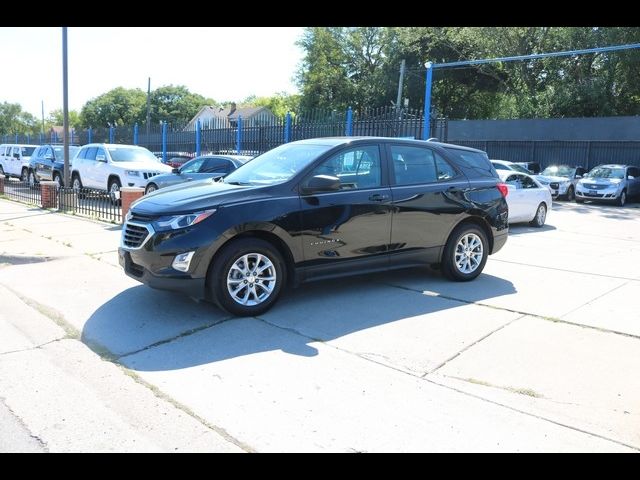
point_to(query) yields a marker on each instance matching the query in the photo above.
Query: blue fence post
(287, 128)
(111, 134)
(28, 138)
(164, 142)
(198, 139)
(348, 131)
(71, 131)
(426, 131)
(40, 138)
(135, 134)
(239, 135)
(89, 135)
(17, 139)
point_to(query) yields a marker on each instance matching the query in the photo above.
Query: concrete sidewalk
(540, 353)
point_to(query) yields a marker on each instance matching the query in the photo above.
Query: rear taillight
(504, 190)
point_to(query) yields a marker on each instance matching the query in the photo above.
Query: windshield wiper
(237, 183)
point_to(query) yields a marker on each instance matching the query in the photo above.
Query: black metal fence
(84, 202)
(548, 152)
(221, 134)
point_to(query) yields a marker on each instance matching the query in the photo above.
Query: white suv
(14, 160)
(105, 166)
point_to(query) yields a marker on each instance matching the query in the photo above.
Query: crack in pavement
(34, 347)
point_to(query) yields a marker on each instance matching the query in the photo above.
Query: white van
(14, 160)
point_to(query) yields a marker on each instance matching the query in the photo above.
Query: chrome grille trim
(135, 235)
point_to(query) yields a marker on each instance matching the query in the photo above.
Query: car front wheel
(247, 277)
(465, 254)
(150, 188)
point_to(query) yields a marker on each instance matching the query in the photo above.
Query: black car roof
(335, 141)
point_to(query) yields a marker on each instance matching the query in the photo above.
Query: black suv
(47, 163)
(317, 209)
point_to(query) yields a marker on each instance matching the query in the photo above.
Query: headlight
(133, 173)
(128, 216)
(174, 222)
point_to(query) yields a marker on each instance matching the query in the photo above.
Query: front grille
(595, 186)
(133, 236)
(597, 195)
(140, 218)
(555, 185)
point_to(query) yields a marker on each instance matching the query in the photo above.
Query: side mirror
(176, 171)
(578, 176)
(630, 177)
(322, 183)
(101, 158)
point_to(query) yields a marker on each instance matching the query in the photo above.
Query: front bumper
(134, 266)
(604, 194)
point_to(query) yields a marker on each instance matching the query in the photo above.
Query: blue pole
(89, 135)
(164, 142)
(111, 134)
(287, 128)
(28, 138)
(71, 142)
(135, 134)
(198, 133)
(239, 135)
(349, 126)
(17, 138)
(426, 131)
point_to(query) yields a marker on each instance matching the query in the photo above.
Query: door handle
(378, 197)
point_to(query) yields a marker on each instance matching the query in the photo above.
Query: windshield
(131, 154)
(606, 172)
(518, 168)
(277, 165)
(561, 171)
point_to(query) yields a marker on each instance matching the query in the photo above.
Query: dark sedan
(200, 168)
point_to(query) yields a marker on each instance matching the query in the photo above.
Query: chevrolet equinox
(316, 209)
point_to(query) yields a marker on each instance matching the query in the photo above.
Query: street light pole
(65, 106)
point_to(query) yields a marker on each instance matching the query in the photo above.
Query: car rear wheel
(247, 277)
(76, 184)
(58, 180)
(2, 172)
(465, 254)
(541, 216)
(24, 175)
(152, 187)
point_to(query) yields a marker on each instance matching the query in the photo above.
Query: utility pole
(148, 109)
(400, 83)
(65, 106)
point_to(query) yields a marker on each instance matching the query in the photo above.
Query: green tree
(56, 118)
(15, 120)
(120, 106)
(176, 104)
(279, 104)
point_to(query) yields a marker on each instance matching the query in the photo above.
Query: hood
(143, 166)
(194, 196)
(551, 178)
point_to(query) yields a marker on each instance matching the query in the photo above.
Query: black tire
(57, 178)
(621, 201)
(579, 200)
(450, 267)
(2, 172)
(114, 182)
(32, 179)
(540, 217)
(76, 184)
(152, 187)
(221, 270)
(24, 174)
(571, 194)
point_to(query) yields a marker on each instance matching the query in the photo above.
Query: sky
(222, 63)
